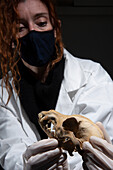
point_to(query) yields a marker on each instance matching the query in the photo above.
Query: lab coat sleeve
(96, 100)
(13, 141)
(13, 138)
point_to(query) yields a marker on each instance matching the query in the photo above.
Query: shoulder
(88, 67)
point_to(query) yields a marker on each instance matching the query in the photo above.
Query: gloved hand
(45, 154)
(98, 153)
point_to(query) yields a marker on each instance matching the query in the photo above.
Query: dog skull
(70, 130)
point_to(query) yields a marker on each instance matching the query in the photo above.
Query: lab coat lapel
(74, 79)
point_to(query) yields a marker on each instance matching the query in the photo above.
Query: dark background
(87, 29)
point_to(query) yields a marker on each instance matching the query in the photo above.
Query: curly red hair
(8, 31)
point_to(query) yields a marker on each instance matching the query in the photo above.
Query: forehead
(31, 7)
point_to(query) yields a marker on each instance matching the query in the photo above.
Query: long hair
(8, 31)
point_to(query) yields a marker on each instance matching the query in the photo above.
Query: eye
(42, 24)
(21, 29)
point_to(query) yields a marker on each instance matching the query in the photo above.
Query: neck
(37, 72)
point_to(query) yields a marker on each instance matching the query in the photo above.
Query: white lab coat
(86, 89)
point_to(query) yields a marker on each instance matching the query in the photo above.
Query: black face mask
(37, 48)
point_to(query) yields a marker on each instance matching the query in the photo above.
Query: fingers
(98, 153)
(90, 165)
(102, 145)
(44, 160)
(51, 159)
(63, 157)
(63, 161)
(40, 147)
(61, 164)
(45, 154)
(106, 136)
(96, 156)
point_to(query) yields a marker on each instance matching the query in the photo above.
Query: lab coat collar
(74, 77)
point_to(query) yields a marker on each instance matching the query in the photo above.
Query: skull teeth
(46, 126)
(52, 128)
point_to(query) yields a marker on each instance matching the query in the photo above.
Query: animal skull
(70, 130)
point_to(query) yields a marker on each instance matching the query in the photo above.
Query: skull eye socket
(40, 115)
(70, 124)
(47, 122)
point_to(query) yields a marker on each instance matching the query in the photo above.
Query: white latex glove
(44, 155)
(98, 153)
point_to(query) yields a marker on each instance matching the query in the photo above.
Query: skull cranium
(70, 130)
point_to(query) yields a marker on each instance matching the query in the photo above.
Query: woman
(38, 74)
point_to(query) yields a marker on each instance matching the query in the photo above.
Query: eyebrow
(38, 15)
